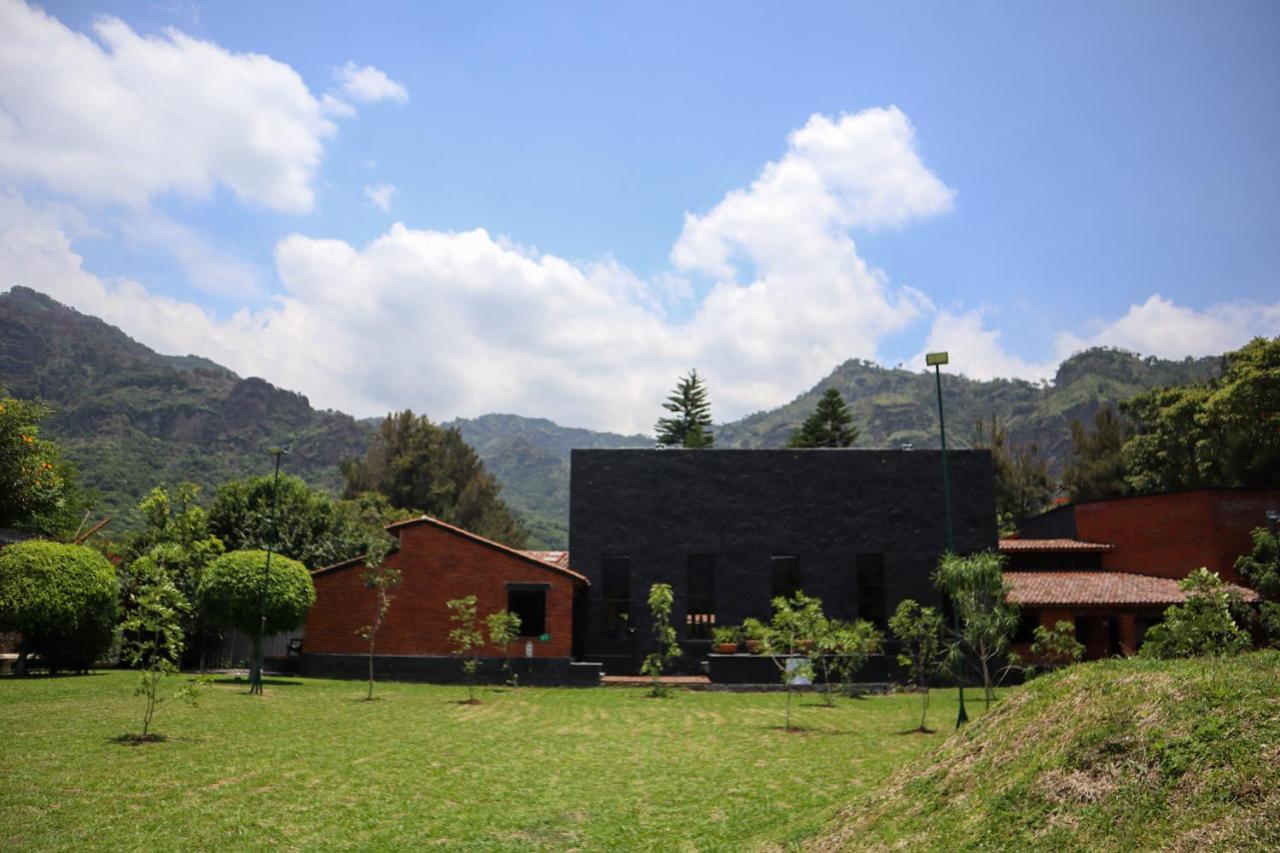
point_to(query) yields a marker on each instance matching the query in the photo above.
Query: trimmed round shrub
(63, 599)
(230, 592)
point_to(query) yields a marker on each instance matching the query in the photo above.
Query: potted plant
(725, 639)
(753, 629)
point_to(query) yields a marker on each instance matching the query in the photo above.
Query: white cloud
(380, 195)
(127, 118)
(977, 351)
(367, 84)
(1161, 328)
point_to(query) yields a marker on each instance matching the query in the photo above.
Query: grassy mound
(1130, 754)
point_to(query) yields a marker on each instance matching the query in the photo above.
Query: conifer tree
(690, 427)
(830, 425)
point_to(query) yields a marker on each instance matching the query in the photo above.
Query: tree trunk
(255, 668)
(369, 698)
(924, 711)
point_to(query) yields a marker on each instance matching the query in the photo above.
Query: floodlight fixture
(935, 359)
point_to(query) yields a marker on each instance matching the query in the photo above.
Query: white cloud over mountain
(367, 85)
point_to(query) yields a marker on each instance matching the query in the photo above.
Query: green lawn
(310, 765)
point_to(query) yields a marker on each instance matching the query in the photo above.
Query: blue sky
(1010, 181)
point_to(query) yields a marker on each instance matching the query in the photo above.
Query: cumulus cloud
(367, 85)
(380, 195)
(1161, 328)
(978, 351)
(125, 118)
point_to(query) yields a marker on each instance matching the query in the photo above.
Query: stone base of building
(542, 672)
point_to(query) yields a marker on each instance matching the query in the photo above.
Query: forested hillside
(131, 418)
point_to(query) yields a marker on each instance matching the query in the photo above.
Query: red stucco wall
(435, 565)
(1173, 534)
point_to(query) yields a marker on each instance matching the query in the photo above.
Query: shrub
(231, 594)
(1200, 627)
(154, 642)
(1057, 647)
(63, 599)
(919, 633)
(655, 663)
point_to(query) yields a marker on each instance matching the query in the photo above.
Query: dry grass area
(1121, 754)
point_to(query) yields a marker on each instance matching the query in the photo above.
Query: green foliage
(381, 579)
(977, 588)
(467, 640)
(1202, 626)
(37, 487)
(797, 624)
(310, 526)
(231, 593)
(830, 425)
(726, 634)
(661, 600)
(1219, 434)
(1097, 465)
(691, 407)
(153, 641)
(842, 649)
(174, 539)
(504, 629)
(63, 599)
(418, 464)
(1261, 570)
(919, 632)
(1022, 484)
(1057, 646)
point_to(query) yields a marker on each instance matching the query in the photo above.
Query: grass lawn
(311, 765)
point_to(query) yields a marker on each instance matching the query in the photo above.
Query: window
(786, 576)
(700, 596)
(871, 592)
(529, 602)
(616, 617)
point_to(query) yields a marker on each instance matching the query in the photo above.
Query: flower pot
(726, 648)
(753, 646)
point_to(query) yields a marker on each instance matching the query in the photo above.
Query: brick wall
(1171, 535)
(435, 565)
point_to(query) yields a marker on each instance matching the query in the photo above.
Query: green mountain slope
(131, 419)
(1124, 754)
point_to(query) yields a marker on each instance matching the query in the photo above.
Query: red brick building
(439, 562)
(1111, 566)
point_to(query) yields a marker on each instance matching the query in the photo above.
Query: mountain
(893, 407)
(131, 418)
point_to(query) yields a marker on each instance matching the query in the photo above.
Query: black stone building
(731, 529)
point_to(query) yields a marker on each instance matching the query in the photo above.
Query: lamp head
(935, 358)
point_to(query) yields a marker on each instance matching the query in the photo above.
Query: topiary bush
(230, 593)
(63, 599)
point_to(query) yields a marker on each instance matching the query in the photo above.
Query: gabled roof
(1075, 546)
(1098, 588)
(560, 564)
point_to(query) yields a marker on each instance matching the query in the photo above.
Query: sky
(557, 209)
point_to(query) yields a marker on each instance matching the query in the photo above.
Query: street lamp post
(255, 673)
(936, 360)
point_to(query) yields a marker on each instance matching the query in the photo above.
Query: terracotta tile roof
(1018, 546)
(1091, 588)
(475, 537)
(559, 559)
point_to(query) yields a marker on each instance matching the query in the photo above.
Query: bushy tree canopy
(230, 592)
(691, 407)
(1097, 466)
(1203, 625)
(63, 599)
(418, 465)
(175, 538)
(37, 487)
(1022, 483)
(1226, 433)
(830, 425)
(311, 527)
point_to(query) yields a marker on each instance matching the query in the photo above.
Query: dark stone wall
(745, 506)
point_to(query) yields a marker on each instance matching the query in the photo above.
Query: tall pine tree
(691, 426)
(1097, 466)
(830, 425)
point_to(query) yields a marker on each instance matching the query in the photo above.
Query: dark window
(531, 606)
(700, 597)
(1028, 621)
(616, 616)
(786, 576)
(871, 593)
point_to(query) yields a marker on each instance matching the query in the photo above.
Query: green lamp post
(936, 360)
